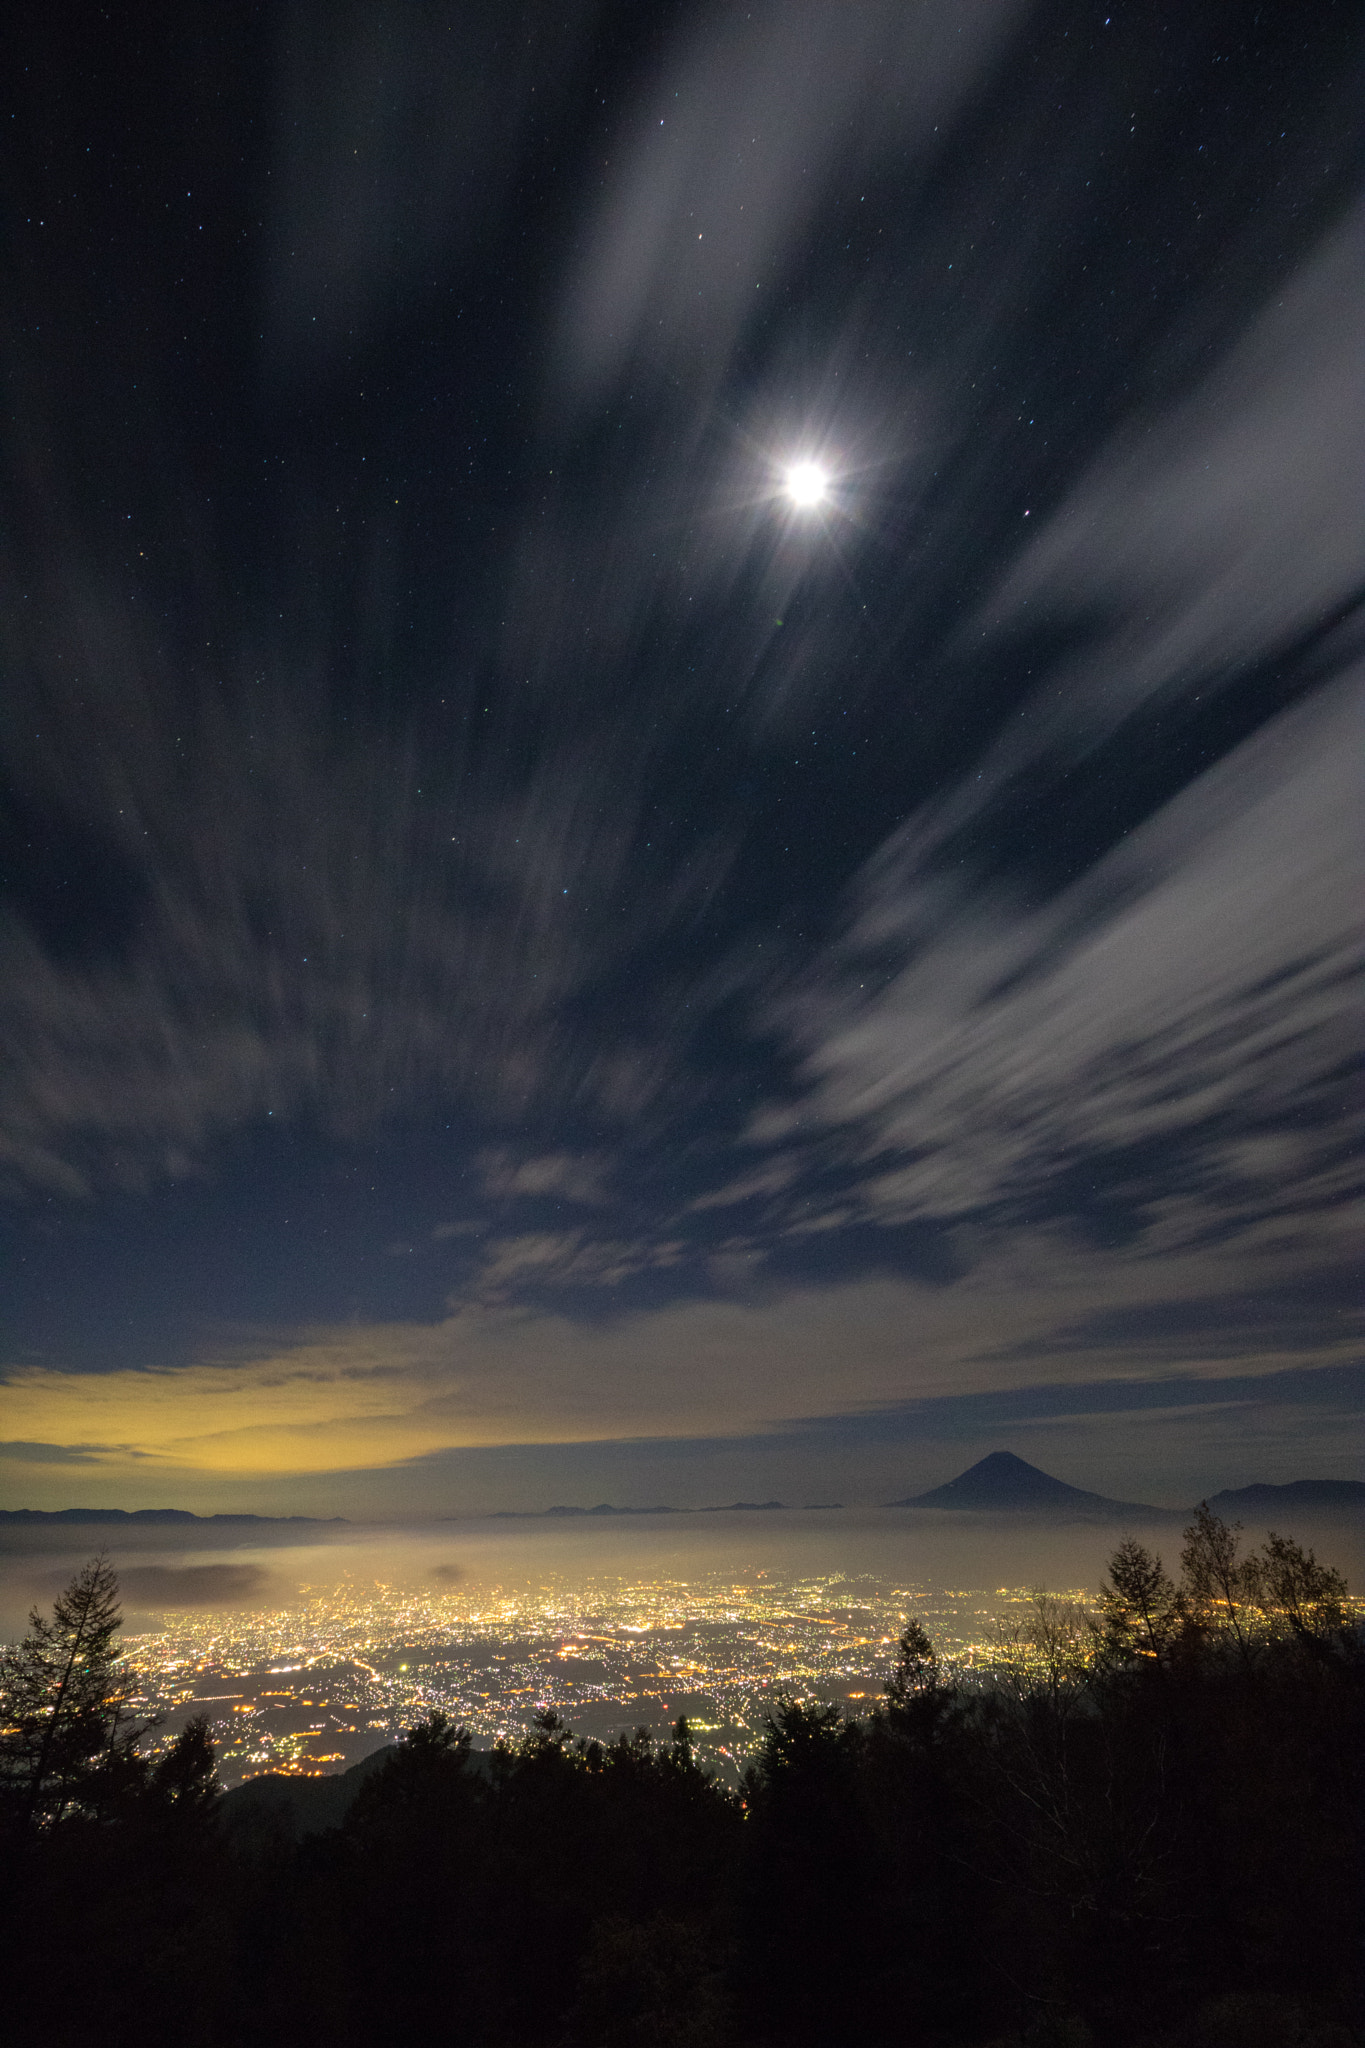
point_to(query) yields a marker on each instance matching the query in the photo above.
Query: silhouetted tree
(649, 1984)
(1221, 1588)
(1297, 1591)
(429, 1762)
(1277, 1591)
(1142, 1614)
(185, 1779)
(914, 1675)
(61, 1703)
(812, 1878)
(1155, 1845)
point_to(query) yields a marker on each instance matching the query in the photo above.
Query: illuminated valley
(314, 1687)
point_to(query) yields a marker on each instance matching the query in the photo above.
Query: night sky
(536, 966)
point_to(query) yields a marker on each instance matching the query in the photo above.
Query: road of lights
(315, 1686)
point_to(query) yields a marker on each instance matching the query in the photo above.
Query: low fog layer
(964, 1551)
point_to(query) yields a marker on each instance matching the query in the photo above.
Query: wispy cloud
(392, 158)
(310, 927)
(769, 1179)
(1190, 994)
(741, 966)
(560, 1175)
(1034, 1306)
(1209, 534)
(568, 1259)
(729, 156)
(1160, 1042)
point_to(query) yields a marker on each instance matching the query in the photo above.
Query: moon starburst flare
(806, 485)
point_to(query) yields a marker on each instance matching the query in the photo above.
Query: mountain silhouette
(1305, 1496)
(273, 1805)
(158, 1517)
(1002, 1482)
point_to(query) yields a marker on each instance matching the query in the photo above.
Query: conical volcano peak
(1004, 1464)
(1003, 1481)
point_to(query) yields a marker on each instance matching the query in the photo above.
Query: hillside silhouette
(1298, 1496)
(1139, 1826)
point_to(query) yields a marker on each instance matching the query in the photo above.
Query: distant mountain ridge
(1004, 1483)
(1297, 1493)
(998, 1483)
(155, 1515)
(603, 1508)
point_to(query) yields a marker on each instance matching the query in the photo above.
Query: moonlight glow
(806, 484)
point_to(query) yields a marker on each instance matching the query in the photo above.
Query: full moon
(806, 483)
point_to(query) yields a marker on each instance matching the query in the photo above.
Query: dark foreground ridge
(276, 1807)
(1140, 1830)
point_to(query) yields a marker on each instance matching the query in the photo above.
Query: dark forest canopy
(1142, 1829)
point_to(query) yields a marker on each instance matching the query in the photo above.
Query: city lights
(317, 1685)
